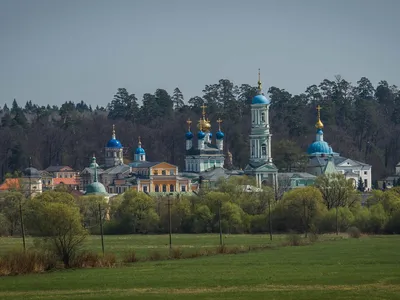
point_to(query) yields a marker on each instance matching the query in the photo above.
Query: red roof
(10, 183)
(66, 181)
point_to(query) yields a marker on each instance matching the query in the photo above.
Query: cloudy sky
(52, 51)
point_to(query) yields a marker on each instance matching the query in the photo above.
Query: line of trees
(330, 205)
(362, 122)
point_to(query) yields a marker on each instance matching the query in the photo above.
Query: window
(171, 188)
(142, 157)
(155, 172)
(365, 183)
(163, 172)
(164, 188)
(157, 188)
(264, 150)
(183, 188)
(252, 150)
(262, 117)
(365, 172)
(145, 188)
(172, 172)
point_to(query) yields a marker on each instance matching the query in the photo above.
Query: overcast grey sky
(52, 51)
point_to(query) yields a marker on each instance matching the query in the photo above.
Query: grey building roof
(143, 164)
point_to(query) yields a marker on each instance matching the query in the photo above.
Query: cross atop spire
(189, 122)
(140, 142)
(219, 121)
(259, 80)
(204, 109)
(113, 131)
(319, 124)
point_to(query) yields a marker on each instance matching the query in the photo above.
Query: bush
(354, 232)
(19, 262)
(89, 259)
(221, 249)
(313, 237)
(155, 255)
(293, 239)
(130, 257)
(176, 253)
(108, 260)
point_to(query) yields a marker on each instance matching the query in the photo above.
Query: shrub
(20, 262)
(130, 257)
(293, 239)
(155, 255)
(108, 260)
(86, 259)
(176, 253)
(313, 237)
(354, 232)
(221, 249)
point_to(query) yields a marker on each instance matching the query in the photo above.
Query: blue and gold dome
(139, 149)
(260, 97)
(319, 147)
(114, 143)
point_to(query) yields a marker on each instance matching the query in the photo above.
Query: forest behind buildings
(362, 121)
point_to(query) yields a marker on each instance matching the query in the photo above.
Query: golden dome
(204, 125)
(319, 124)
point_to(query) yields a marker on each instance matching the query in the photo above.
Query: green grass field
(366, 268)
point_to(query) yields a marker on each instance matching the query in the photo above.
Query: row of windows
(164, 172)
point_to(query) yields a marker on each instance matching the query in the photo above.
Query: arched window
(171, 188)
(163, 172)
(156, 188)
(264, 149)
(252, 150)
(263, 117)
(164, 188)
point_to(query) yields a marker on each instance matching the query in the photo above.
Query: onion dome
(95, 188)
(260, 99)
(139, 149)
(189, 135)
(201, 135)
(319, 147)
(114, 143)
(220, 135)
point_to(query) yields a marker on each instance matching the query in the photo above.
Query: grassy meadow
(333, 268)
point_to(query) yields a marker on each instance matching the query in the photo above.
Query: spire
(95, 168)
(140, 142)
(259, 81)
(204, 110)
(219, 121)
(319, 124)
(113, 132)
(189, 122)
(30, 162)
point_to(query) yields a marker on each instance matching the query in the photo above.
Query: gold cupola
(204, 124)
(319, 124)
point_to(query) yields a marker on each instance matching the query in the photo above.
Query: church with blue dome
(207, 155)
(114, 152)
(260, 161)
(323, 160)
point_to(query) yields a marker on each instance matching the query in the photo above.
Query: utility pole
(22, 224)
(219, 222)
(170, 223)
(337, 219)
(101, 230)
(269, 218)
